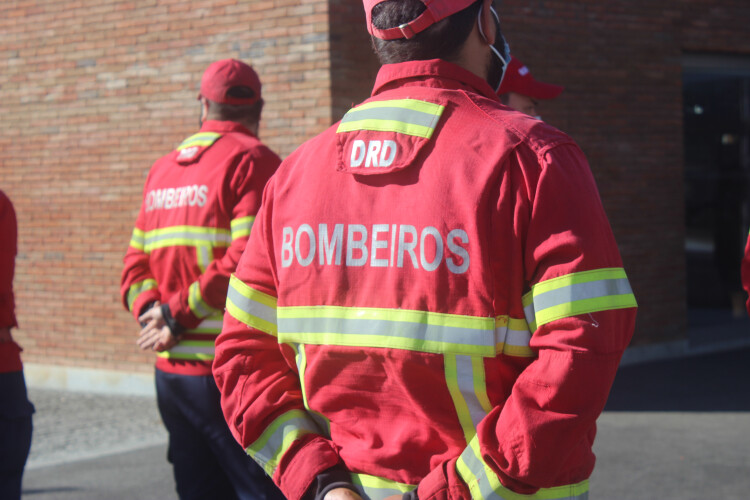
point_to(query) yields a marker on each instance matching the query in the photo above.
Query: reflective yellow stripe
(197, 305)
(241, 227)
(405, 116)
(579, 293)
(372, 487)
(255, 309)
(212, 324)
(201, 139)
(136, 289)
(484, 484)
(199, 350)
(186, 236)
(138, 239)
(512, 337)
(388, 328)
(268, 449)
(320, 419)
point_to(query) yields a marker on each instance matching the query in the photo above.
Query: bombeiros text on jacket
(376, 245)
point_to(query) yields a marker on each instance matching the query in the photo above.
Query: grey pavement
(676, 429)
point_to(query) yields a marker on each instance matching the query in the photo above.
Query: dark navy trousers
(15, 433)
(208, 462)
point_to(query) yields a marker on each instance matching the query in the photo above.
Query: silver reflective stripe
(487, 492)
(504, 335)
(385, 328)
(251, 307)
(189, 235)
(376, 488)
(581, 291)
(477, 468)
(402, 115)
(192, 349)
(530, 314)
(465, 376)
(279, 436)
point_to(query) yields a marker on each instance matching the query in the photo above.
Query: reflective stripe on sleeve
(201, 139)
(485, 485)
(578, 293)
(405, 116)
(138, 239)
(241, 227)
(197, 305)
(186, 236)
(372, 487)
(251, 307)
(136, 289)
(268, 449)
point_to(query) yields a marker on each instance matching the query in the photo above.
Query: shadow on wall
(716, 382)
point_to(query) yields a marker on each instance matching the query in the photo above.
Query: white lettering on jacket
(169, 198)
(373, 154)
(379, 245)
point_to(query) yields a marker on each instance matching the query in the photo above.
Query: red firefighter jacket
(199, 204)
(431, 298)
(10, 357)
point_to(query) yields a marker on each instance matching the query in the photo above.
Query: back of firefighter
(432, 304)
(15, 408)
(199, 205)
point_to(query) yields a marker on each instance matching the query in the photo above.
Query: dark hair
(238, 112)
(442, 40)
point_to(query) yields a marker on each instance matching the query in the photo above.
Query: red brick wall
(621, 65)
(94, 91)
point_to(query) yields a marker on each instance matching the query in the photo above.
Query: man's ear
(486, 23)
(204, 109)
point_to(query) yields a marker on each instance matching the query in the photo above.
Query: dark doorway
(716, 98)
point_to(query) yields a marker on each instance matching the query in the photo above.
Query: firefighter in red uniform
(432, 304)
(745, 273)
(15, 408)
(522, 92)
(198, 207)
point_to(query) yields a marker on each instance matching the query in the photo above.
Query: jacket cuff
(143, 303)
(330, 479)
(181, 313)
(299, 475)
(174, 326)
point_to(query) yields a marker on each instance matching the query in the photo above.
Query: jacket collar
(433, 73)
(224, 126)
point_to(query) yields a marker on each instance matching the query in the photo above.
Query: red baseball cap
(436, 10)
(223, 75)
(518, 79)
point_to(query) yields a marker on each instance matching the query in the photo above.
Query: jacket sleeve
(261, 395)
(138, 286)
(746, 273)
(581, 310)
(8, 249)
(242, 195)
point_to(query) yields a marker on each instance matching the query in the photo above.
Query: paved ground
(677, 429)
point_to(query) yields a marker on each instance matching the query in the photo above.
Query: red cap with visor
(436, 10)
(518, 79)
(223, 75)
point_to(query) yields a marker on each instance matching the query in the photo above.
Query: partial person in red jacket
(15, 408)
(444, 316)
(522, 92)
(745, 273)
(198, 208)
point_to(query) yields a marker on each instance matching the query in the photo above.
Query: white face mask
(499, 39)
